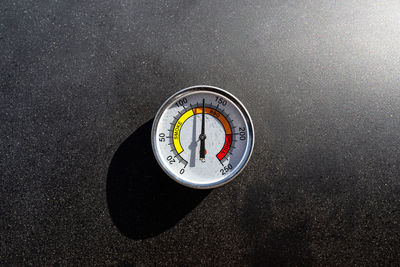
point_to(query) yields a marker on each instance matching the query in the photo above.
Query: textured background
(81, 80)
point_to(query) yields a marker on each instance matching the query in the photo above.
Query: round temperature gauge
(202, 137)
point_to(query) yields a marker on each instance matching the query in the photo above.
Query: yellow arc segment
(187, 115)
(177, 129)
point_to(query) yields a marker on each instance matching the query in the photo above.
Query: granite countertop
(81, 82)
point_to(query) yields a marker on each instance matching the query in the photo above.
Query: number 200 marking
(242, 133)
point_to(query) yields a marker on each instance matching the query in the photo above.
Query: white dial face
(202, 137)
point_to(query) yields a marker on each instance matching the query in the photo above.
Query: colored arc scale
(210, 110)
(202, 137)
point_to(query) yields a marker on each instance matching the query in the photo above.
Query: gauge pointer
(202, 138)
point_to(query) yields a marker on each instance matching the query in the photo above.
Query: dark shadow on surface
(142, 200)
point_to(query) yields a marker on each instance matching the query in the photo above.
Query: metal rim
(239, 105)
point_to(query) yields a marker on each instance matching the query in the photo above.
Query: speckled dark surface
(81, 81)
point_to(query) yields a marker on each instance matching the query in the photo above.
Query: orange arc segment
(217, 115)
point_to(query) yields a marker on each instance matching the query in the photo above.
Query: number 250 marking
(226, 169)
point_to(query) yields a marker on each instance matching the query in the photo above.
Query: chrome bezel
(249, 122)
